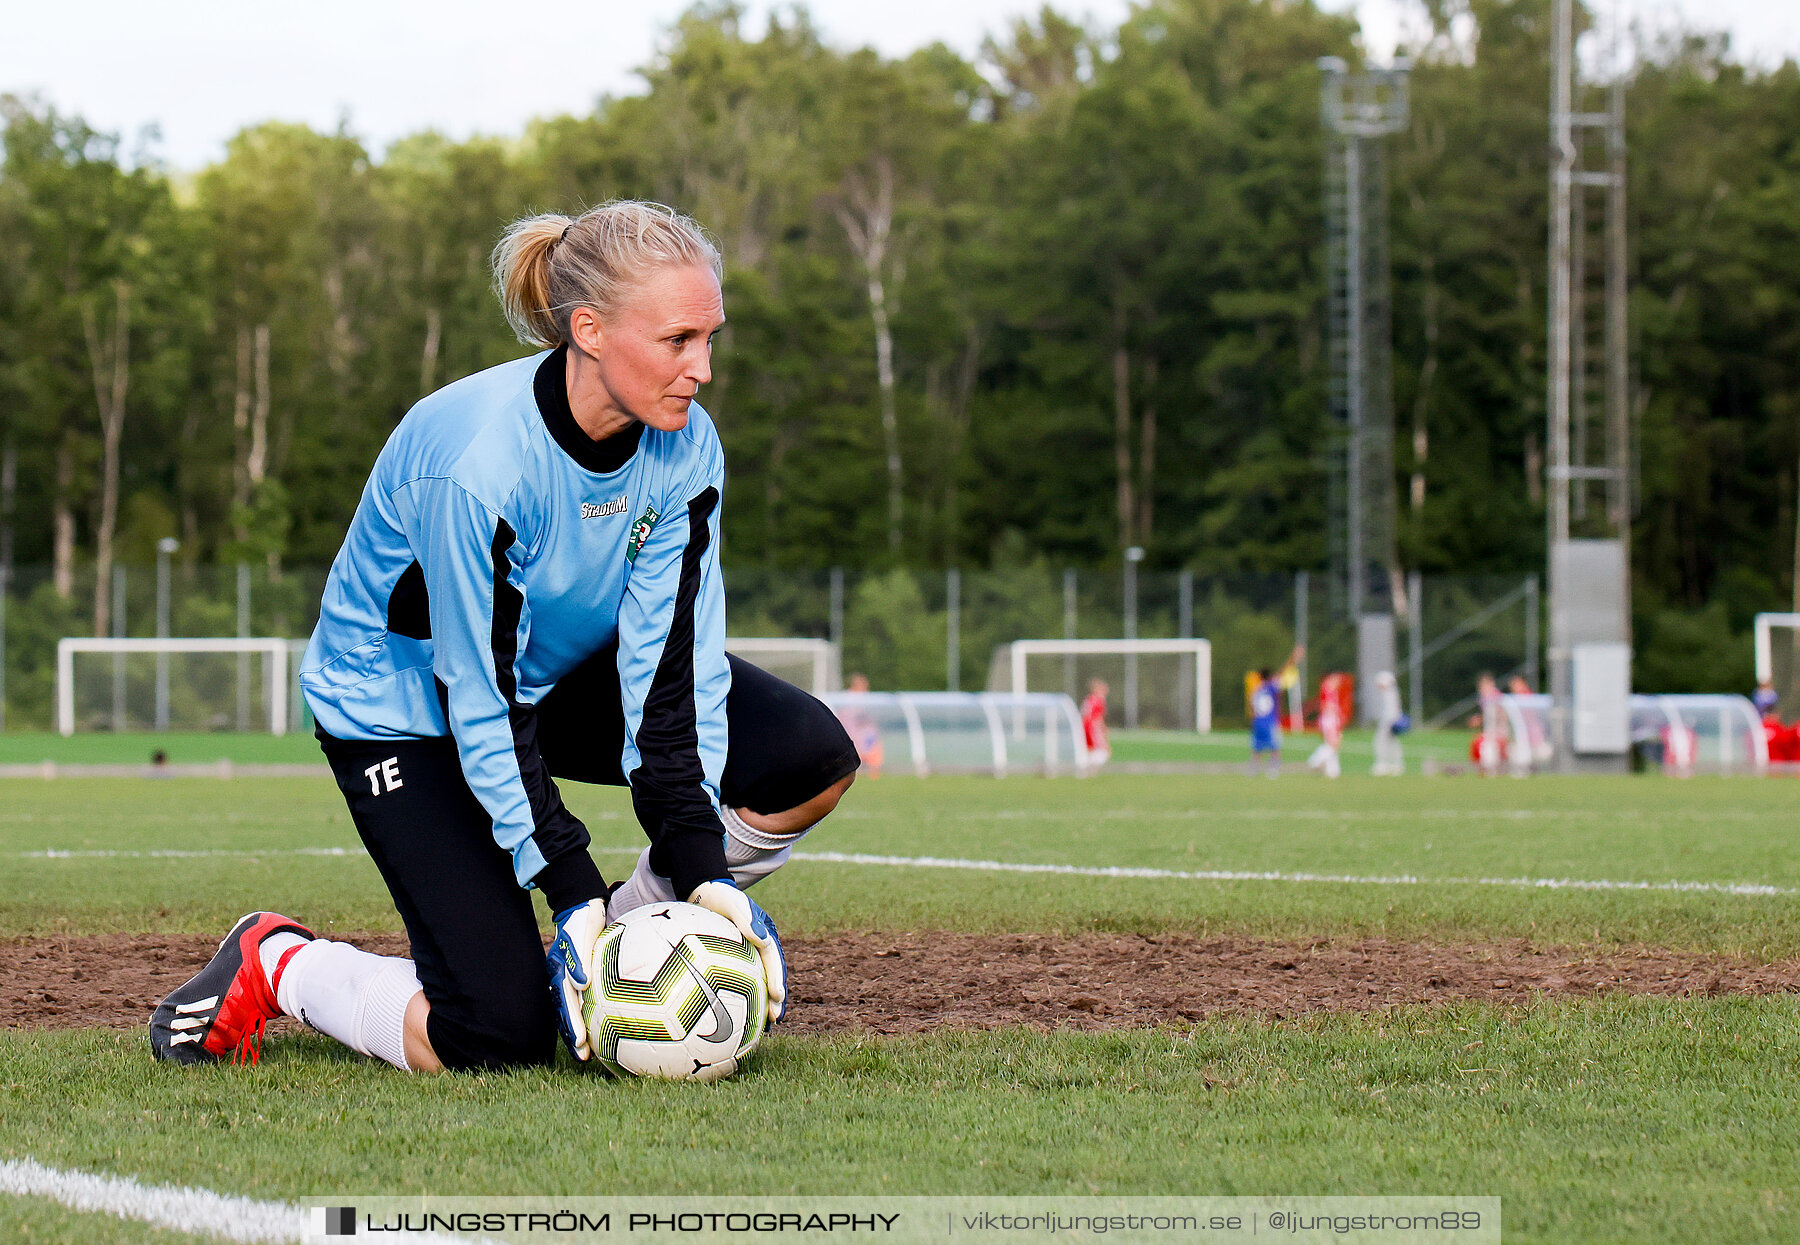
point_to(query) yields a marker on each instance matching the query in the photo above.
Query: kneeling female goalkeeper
(530, 590)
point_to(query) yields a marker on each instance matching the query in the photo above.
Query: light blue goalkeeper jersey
(492, 552)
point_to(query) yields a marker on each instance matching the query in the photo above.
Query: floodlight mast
(1588, 434)
(1359, 111)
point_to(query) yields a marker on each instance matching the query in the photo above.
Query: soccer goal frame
(276, 650)
(1199, 650)
(827, 665)
(1765, 644)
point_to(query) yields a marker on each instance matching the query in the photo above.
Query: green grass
(1623, 1120)
(1230, 746)
(25, 1221)
(202, 747)
(1618, 1119)
(136, 748)
(1622, 829)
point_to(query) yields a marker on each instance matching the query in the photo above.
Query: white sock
(272, 948)
(750, 854)
(644, 886)
(346, 993)
(754, 854)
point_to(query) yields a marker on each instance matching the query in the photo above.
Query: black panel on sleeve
(687, 842)
(558, 831)
(409, 605)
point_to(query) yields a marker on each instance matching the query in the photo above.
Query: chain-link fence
(146, 601)
(909, 630)
(902, 629)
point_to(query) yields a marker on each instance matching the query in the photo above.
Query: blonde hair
(546, 266)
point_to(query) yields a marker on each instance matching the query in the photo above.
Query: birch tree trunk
(110, 358)
(434, 331)
(240, 435)
(256, 466)
(867, 215)
(250, 425)
(62, 520)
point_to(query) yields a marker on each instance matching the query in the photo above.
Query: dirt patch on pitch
(912, 983)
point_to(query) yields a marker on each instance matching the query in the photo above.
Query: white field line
(1080, 871)
(53, 853)
(175, 1207)
(1234, 875)
(166, 1206)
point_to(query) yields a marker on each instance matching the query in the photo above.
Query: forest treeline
(1049, 304)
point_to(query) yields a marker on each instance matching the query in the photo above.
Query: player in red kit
(1336, 691)
(1093, 723)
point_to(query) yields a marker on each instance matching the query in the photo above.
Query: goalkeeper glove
(571, 964)
(723, 896)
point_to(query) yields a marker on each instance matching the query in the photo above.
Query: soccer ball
(676, 993)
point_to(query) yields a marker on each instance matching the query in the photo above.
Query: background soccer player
(1265, 724)
(863, 729)
(1765, 698)
(530, 588)
(1093, 724)
(1337, 694)
(1390, 760)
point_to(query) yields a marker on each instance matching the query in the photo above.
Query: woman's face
(655, 351)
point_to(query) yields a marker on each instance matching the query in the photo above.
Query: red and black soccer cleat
(224, 1007)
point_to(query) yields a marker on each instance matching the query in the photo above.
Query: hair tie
(565, 233)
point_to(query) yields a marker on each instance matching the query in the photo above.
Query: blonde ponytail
(522, 276)
(546, 266)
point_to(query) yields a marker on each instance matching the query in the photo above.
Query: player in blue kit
(1265, 723)
(530, 590)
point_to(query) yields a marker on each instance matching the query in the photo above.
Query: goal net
(1682, 733)
(811, 664)
(1156, 684)
(927, 733)
(178, 684)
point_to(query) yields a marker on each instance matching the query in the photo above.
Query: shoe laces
(250, 1043)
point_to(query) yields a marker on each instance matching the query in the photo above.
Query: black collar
(551, 387)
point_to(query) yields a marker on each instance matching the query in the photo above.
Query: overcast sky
(200, 69)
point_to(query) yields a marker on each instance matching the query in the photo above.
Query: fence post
(1531, 631)
(243, 659)
(1133, 556)
(118, 661)
(9, 483)
(836, 622)
(1069, 630)
(1302, 620)
(953, 629)
(1184, 622)
(1415, 660)
(164, 548)
(5, 593)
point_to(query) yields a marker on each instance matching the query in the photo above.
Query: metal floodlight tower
(1588, 485)
(1359, 111)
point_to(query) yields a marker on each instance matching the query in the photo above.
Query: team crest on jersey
(599, 510)
(640, 532)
